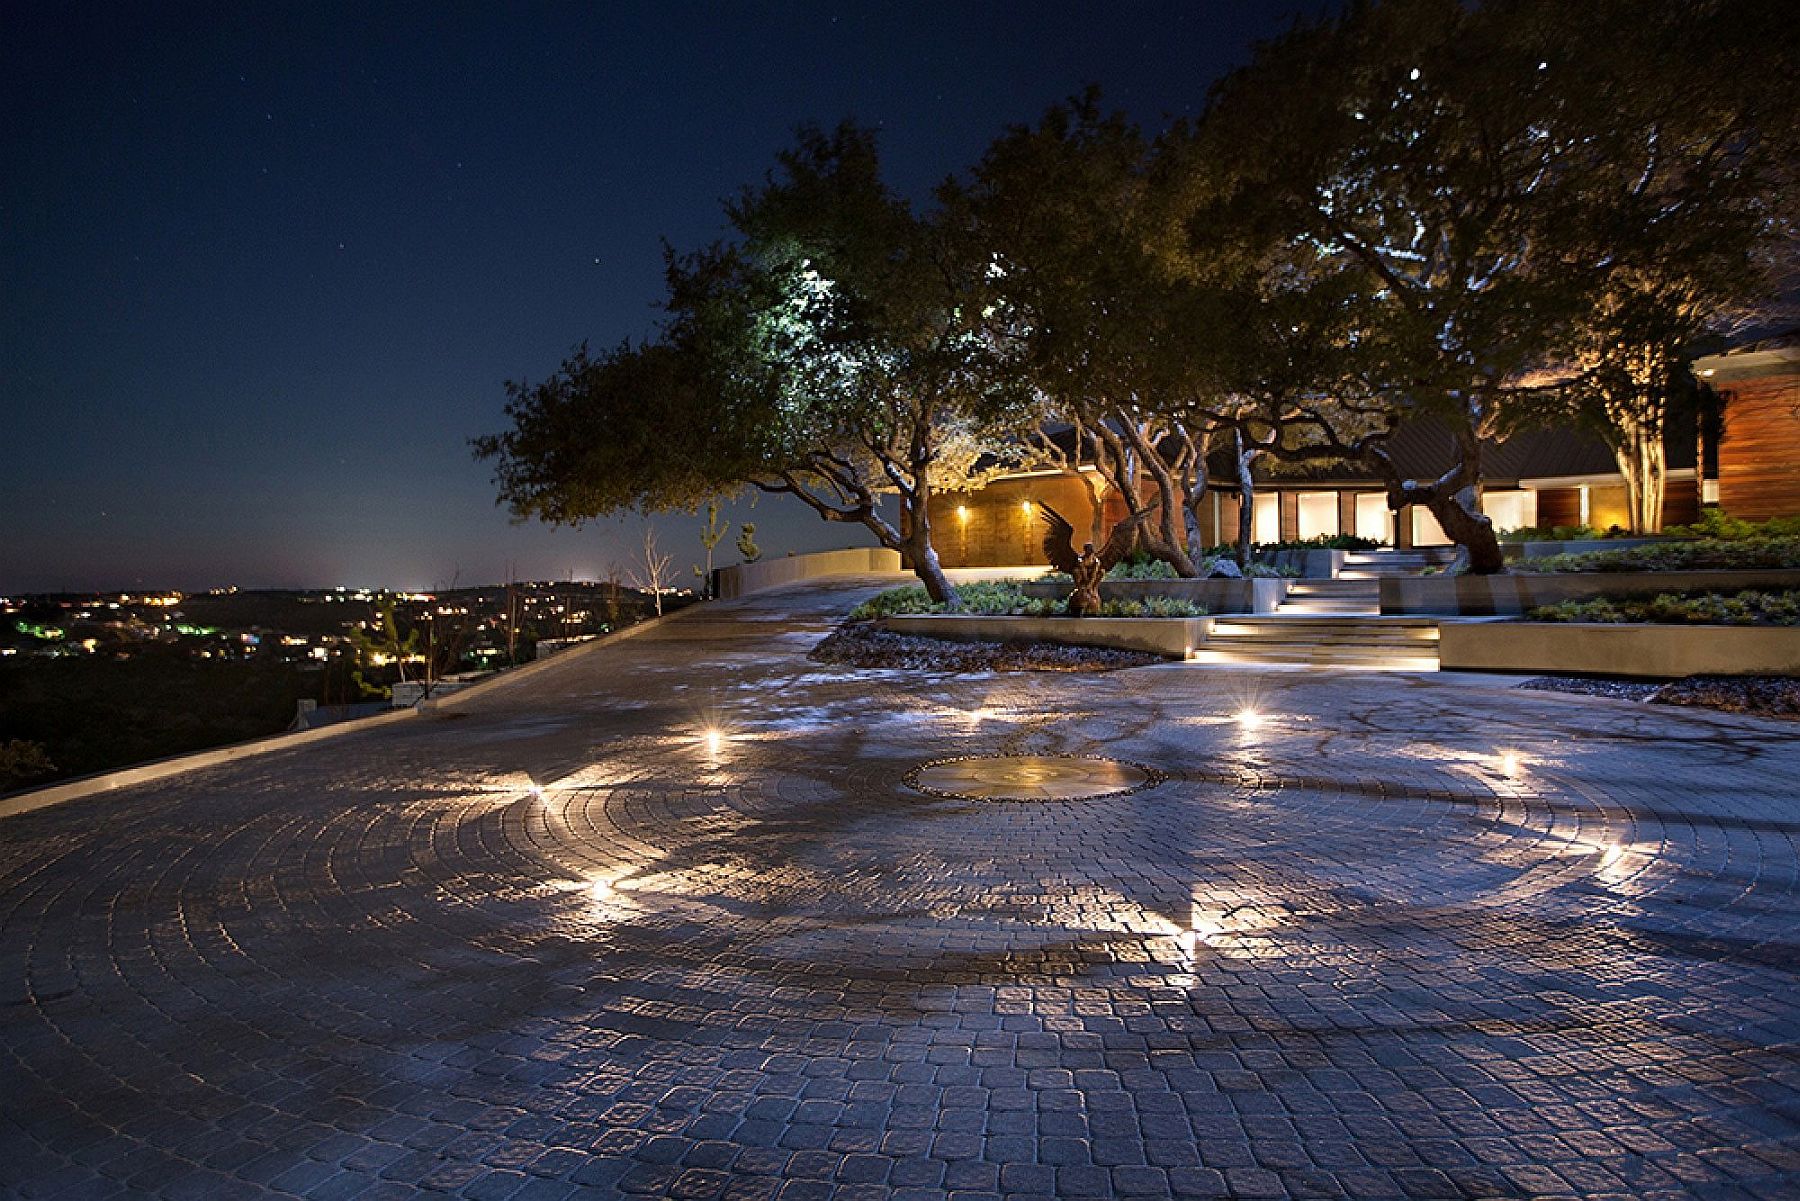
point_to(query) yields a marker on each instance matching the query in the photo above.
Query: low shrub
(1717, 523)
(987, 598)
(1228, 550)
(1702, 554)
(1142, 568)
(1004, 598)
(1746, 608)
(1558, 533)
(1152, 606)
(1325, 542)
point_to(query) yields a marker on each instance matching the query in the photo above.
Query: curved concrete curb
(162, 769)
(500, 679)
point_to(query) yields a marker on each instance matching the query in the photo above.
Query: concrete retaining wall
(1648, 651)
(746, 578)
(1172, 637)
(1311, 564)
(1215, 596)
(1511, 595)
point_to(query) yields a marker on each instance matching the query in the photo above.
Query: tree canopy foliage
(1488, 215)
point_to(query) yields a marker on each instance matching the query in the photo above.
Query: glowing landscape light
(1249, 718)
(714, 740)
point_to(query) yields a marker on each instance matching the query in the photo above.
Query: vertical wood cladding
(1759, 456)
(1681, 502)
(1558, 506)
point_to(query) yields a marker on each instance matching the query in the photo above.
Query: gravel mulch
(1762, 696)
(1765, 696)
(862, 645)
(1624, 690)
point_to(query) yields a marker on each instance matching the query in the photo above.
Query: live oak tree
(850, 324)
(1410, 162)
(827, 353)
(1686, 201)
(1061, 209)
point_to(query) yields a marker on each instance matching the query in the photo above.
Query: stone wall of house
(1000, 526)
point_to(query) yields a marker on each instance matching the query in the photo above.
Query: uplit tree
(1408, 162)
(830, 353)
(1109, 346)
(848, 324)
(711, 534)
(1686, 199)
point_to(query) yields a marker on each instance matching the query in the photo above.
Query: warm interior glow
(962, 512)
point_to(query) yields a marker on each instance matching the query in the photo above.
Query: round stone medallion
(1031, 778)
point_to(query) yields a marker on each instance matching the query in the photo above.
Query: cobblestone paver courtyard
(1399, 937)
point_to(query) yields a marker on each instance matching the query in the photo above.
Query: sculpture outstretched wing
(1059, 540)
(1120, 543)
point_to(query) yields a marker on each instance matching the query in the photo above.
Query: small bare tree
(711, 534)
(652, 572)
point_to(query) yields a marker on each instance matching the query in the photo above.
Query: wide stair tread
(1323, 640)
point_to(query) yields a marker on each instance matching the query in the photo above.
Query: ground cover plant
(1717, 523)
(1562, 533)
(1699, 554)
(1155, 569)
(1746, 608)
(859, 644)
(1322, 542)
(1005, 598)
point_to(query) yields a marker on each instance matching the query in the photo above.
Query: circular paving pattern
(1402, 939)
(1031, 778)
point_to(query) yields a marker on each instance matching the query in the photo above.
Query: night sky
(264, 268)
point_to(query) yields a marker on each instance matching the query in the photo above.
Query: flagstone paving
(1401, 936)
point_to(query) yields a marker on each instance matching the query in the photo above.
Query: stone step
(1346, 606)
(1420, 646)
(1304, 656)
(1298, 625)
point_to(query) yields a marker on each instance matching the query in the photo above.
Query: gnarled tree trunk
(1454, 499)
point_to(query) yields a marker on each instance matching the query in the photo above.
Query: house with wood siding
(1540, 478)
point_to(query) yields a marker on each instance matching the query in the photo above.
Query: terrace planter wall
(746, 578)
(1648, 651)
(1171, 637)
(1310, 564)
(1512, 595)
(1215, 596)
